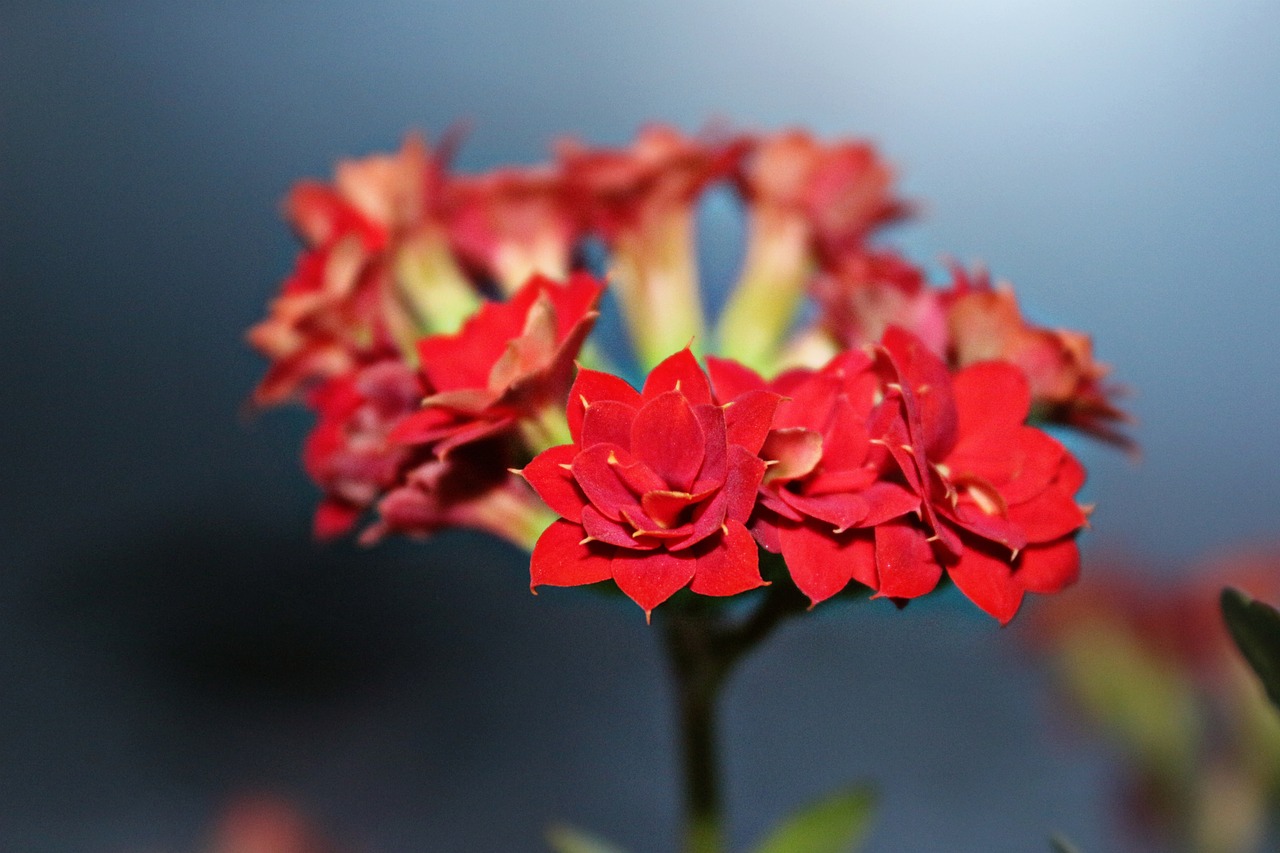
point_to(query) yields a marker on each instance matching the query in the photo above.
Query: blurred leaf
(835, 824)
(1062, 845)
(566, 839)
(1141, 701)
(1255, 627)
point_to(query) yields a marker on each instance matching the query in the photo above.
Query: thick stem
(702, 650)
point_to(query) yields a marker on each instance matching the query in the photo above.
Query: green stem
(703, 649)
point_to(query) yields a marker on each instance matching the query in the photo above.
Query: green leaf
(1062, 845)
(566, 839)
(835, 824)
(1255, 627)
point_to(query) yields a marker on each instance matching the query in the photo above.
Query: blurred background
(169, 636)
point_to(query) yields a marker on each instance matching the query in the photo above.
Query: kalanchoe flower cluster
(438, 325)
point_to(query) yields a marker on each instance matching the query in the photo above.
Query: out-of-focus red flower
(374, 270)
(336, 307)
(843, 191)
(266, 825)
(998, 497)
(349, 453)
(514, 223)
(861, 294)
(641, 201)
(807, 203)
(1146, 659)
(1067, 385)
(472, 487)
(656, 488)
(511, 363)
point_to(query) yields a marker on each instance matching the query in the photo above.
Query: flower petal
(558, 559)
(611, 532)
(591, 386)
(679, 372)
(607, 422)
(748, 418)
(731, 566)
(1050, 516)
(554, 482)
(652, 577)
(794, 452)
(596, 470)
(822, 563)
(906, 565)
(731, 379)
(1049, 568)
(666, 437)
(989, 582)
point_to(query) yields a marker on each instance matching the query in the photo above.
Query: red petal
(731, 379)
(927, 392)
(665, 506)
(579, 295)
(906, 565)
(612, 532)
(591, 386)
(666, 436)
(742, 485)
(989, 582)
(822, 563)
(888, 501)
(840, 510)
(711, 472)
(764, 527)
(991, 396)
(334, 518)
(422, 427)
(795, 451)
(558, 559)
(845, 441)
(1049, 568)
(607, 422)
(1050, 516)
(679, 372)
(596, 470)
(748, 418)
(652, 577)
(707, 520)
(731, 567)
(464, 359)
(554, 483)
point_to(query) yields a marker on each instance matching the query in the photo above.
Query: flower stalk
(702, 650)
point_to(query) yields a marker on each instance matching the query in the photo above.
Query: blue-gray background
(168, 636)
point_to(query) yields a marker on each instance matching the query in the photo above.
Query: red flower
(806, 203)
(862, 294)
(1067, 385)
(656, 488)
(349, 453)
(344, 302)
(827, 485)
(843, 191)
(998, 508)
(641, 201)
(471, 487)
(513, 223)
(511, 362)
